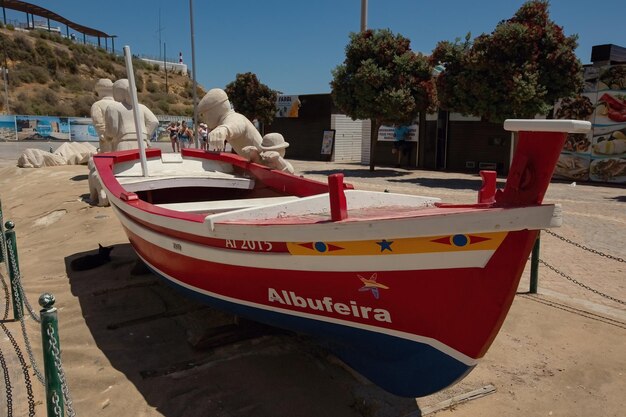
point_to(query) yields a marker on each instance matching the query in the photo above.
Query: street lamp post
(363, 15)
(5, 70)
(193, 74)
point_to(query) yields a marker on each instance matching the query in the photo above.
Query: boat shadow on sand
(187, 359)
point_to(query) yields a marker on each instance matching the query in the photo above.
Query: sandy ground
(132, 346)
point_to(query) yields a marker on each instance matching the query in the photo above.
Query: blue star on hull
(385, 245)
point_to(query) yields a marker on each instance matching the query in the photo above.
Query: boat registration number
(251, 245)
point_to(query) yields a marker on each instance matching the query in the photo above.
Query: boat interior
(198, 185)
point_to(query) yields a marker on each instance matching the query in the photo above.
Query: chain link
(5, 287)
(19, 296)
(59, 366)
(18, 280)
(583, 247)
(55, 401)
(5, 315)
(18, 291)
(29, 350)
(7, 385)
(601, 294)
(27, 381)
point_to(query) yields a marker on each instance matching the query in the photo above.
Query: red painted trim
(104, 165)
(338, 204)
(232, 244)
(487, 193)
(280, 181)
(533, 164)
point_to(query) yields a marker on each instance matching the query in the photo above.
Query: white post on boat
(136, 110)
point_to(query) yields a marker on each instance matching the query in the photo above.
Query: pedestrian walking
(172, 130)
(184, 135)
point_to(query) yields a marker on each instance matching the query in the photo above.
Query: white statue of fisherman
(227, 125)
(120, 122)
(272, 153)
(104, 90)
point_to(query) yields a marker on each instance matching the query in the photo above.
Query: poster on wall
(287, 106)
(573, 163)
(42, 128)
(601, 154)
(328, 140)
(387, 133)
(608, 145)
(7, 128)
(82, 130)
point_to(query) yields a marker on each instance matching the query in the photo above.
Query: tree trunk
(421, 139)
(373, 140)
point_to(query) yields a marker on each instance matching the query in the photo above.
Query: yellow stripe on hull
(431, 244)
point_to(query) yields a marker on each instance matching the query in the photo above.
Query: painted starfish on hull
(372, 285)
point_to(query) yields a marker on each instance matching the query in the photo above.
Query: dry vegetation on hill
(52, 75)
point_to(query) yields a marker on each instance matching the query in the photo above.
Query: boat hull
(409, 292)
(412, 332)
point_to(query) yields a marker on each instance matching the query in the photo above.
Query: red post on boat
(338, 204)
(538, 149)
(487, 193)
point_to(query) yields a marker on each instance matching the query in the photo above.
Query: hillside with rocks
(52, 75)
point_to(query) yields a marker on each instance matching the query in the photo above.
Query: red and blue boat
(407, 290)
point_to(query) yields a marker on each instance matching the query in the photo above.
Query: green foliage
(519, 70)
(82, 105)
(382, 79)
(252, 98)
(152, 87)
(28, 73)
(67, 72)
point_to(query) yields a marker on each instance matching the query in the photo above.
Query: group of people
(182, 136)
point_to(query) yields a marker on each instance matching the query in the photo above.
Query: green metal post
(51, 351)
(534, 266)
(2, 235)
(14, 269)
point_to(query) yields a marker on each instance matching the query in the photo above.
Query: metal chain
(5, 287)
(55, 401)
(59, 366)
(18, 291)
(18, 281)
(7, 385)
(581, 284)
(20, 357)
(578, 245)
(29, 350)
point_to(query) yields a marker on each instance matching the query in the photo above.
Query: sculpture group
(113, 119)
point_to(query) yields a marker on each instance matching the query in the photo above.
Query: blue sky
(293, 46)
